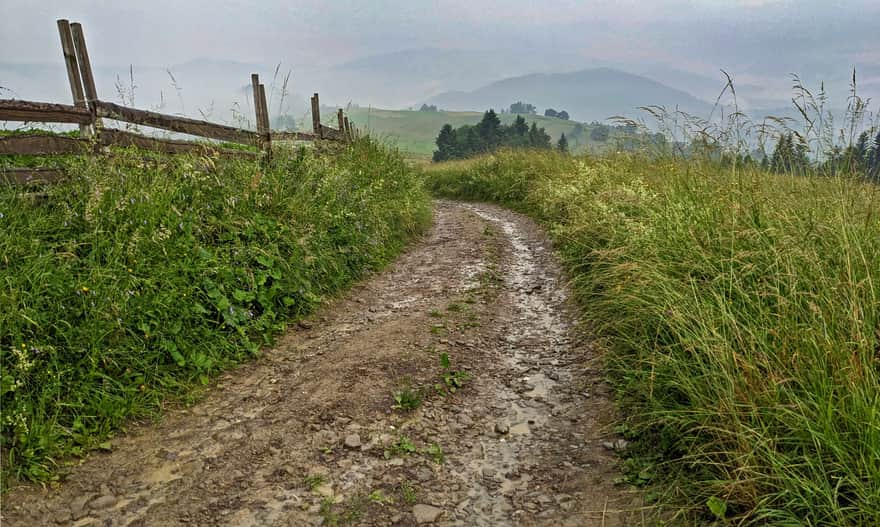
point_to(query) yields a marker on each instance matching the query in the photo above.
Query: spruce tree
(562, 145)
(446, 144)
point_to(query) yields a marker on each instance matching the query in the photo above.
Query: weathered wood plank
(31, 176)
(171, 123)
(36, 145)
(82, 59)
(316, 116)
(42, 112)
(73, 78)
(113, 137)
(264, 116)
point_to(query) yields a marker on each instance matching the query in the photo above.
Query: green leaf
(243, 296)
(444, 361)
(178, 358)
(717, 506)
(265, 260)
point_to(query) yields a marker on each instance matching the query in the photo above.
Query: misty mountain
(406, 78)
(587, 95)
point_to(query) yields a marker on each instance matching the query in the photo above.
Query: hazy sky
(759, 41)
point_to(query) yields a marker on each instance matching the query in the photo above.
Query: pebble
(426, 513)
(352, 441)
(502, 427)
(103, 502)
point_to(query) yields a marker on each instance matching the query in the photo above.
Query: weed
(408, 492)
(454, 307)
(436, 453)
(407, 399)
(435, 314)
(402, 447)
(452, 380)
(313, 481)
(378, 497)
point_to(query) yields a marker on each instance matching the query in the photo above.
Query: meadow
(415, 132)
(738, 314)
(143, 276)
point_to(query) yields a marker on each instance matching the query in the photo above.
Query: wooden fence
(88, 111)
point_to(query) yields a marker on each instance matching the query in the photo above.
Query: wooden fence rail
(88, 111)
(182, 125)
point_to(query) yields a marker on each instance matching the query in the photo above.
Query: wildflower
(1, 215)
(129, 269)
(85, 289)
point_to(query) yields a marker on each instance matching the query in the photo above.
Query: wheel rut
(308, 433)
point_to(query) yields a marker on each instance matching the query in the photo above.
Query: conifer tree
(562, 145)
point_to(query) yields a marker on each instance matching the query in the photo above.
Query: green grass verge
(740, 312)
(142, 277)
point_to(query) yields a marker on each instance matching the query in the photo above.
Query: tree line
(791, 155)
(489, 135)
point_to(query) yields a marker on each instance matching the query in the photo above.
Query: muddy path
(308, 434)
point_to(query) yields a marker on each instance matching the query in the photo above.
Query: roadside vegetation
(739, 314)
(143, 276)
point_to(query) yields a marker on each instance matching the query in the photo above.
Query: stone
(426, 513)
(103, 502)
(502, 427)
(353, 441)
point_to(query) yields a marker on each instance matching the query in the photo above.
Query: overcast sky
(759, 41)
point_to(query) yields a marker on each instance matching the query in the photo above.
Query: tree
(874, 160)
(446, 144)
(427, 108)
(489, 129)
(538, 138)
(522, 108)
(562, 144)
(550, 112)
(789, 156)
(562, 115)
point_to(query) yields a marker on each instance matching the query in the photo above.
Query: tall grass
(143, 277)
(740, 311)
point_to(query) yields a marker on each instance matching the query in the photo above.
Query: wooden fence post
(347, 124)
(76, 88)
(262, 132)
(267, 127)
(85, 69)
(316, 117)
(341, 122)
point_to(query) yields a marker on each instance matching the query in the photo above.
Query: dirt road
(307, 434)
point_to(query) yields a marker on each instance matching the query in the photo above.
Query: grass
(140, 279)
(414, 132)
(740, 314)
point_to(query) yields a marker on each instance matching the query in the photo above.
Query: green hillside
(414, 132)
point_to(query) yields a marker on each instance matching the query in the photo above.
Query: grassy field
(739, 313)
(414, 132)
(142, 277)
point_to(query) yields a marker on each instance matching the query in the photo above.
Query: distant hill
(588, 95)
(414, 132)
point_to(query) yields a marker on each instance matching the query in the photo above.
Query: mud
(308, 434)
